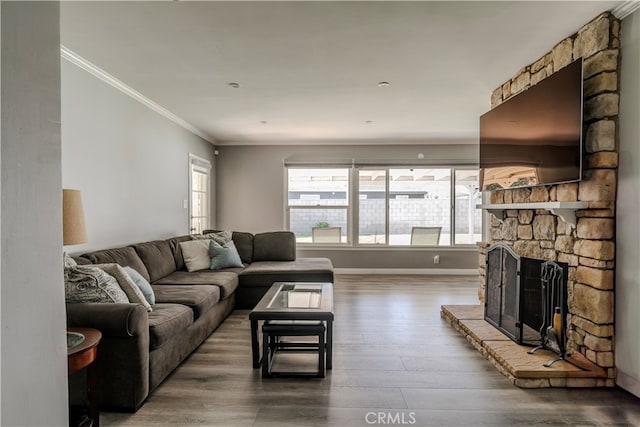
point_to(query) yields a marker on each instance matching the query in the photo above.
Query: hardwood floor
(396, 362)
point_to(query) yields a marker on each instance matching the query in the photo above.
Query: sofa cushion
(174, 244)
(80, 260)
(199, 298)
(263, 273)
(166, 321)
(226, 280)
(274, 246)
(157, 257)
(244, 245)
(126, 257)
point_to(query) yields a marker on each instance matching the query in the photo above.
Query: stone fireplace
(588, 246)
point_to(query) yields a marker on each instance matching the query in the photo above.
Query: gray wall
(34, 353)
(251, 196)
(130, 163)
(628, 235)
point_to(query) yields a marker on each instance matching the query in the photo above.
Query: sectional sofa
(140, 349)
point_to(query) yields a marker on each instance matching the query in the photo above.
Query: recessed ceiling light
(234, 85)
(368, 121)
(264, 122)
(383, 84)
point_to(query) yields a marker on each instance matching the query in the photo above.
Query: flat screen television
(535, 137)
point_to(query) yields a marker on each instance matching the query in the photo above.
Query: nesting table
(289, 305)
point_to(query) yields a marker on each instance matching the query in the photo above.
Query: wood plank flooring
(396, 362)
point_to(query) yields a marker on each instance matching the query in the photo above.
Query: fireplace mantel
(565, 210)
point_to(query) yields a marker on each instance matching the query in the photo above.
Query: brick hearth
(512, 360)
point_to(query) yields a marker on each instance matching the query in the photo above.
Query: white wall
(627, 324)
(34, 354)
(251, 197)
(130, 163)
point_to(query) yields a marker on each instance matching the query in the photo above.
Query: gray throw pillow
(85, 283)
(196, 254)
(220, 237)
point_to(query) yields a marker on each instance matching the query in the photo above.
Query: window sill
(345, 247)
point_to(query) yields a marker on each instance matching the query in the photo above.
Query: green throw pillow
(224, 256)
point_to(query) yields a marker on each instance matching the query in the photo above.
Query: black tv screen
(535, 137)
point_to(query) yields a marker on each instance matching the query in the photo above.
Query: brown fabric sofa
(139, 349)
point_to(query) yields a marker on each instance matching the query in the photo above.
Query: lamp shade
(73, 228)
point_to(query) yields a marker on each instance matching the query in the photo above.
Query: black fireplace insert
(525, 298)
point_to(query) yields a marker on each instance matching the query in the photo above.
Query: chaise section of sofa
(257, 278)
(273, 259)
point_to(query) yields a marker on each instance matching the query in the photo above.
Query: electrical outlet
(436, 259)
(185, 204)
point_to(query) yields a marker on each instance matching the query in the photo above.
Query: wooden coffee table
(294, 301)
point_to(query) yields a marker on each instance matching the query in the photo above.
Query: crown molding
(96, 71)
(626, 8)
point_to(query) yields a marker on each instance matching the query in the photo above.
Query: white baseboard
(629, 383)
(429, 271)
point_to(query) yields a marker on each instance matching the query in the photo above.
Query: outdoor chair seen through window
(326, 234)
(425, 236)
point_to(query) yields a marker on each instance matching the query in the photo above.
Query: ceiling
(308, 72)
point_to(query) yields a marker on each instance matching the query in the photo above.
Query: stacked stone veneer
(589, 248)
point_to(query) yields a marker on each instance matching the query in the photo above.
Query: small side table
(82, 356)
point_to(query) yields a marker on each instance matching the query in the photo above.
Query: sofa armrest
(114, 320)
(123, 353)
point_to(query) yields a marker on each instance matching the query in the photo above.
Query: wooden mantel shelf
(565, 210)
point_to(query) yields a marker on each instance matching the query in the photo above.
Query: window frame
(387, 168)
(353, 203)
(455, 169)
(347, 206)
(200, 165)
(356, 206)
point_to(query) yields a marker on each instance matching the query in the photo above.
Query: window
(318, 204)
(395, 206)
(199, 193)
